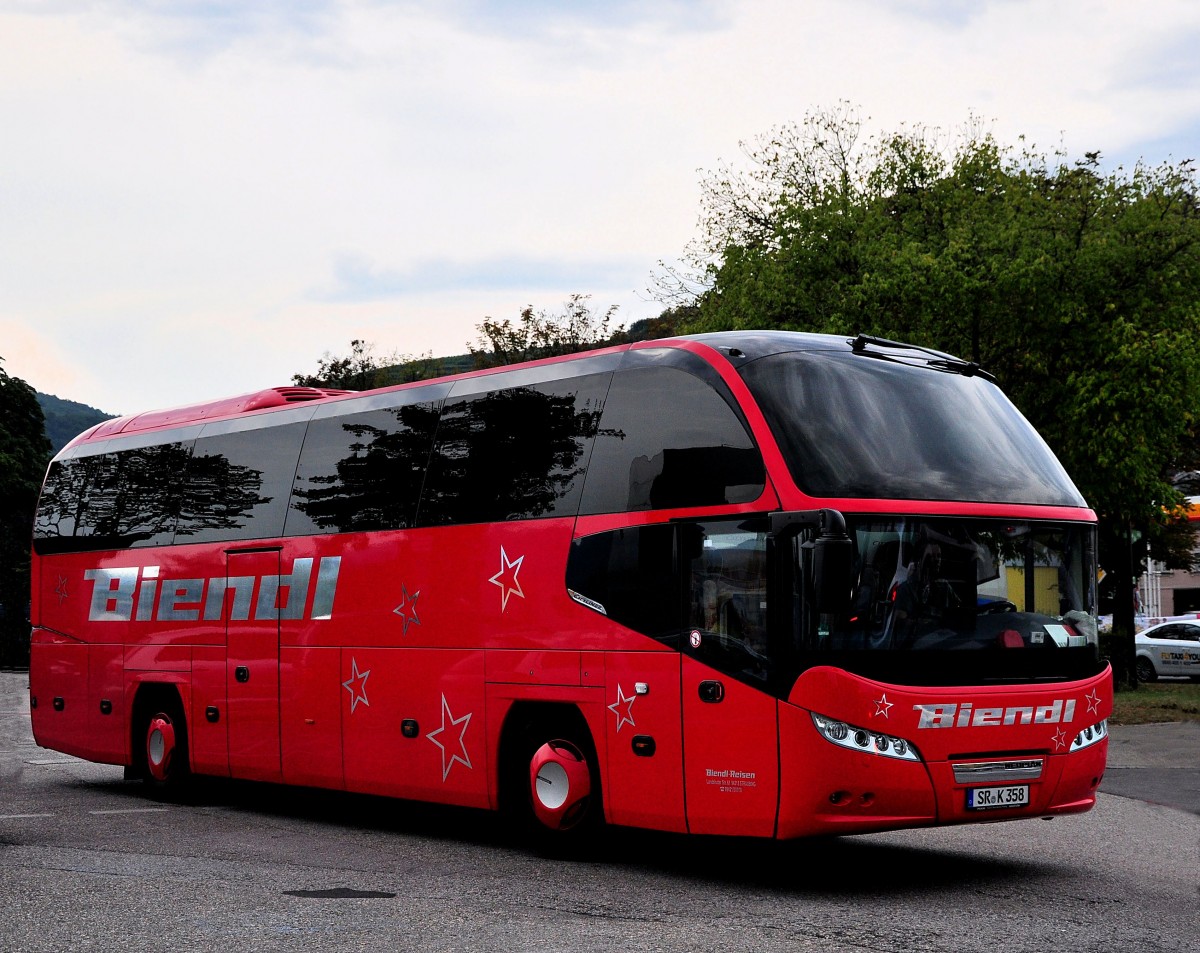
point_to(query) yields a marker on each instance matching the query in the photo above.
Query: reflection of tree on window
(69, 487)
(238, 483)
(512, 454)
(365, 472)
(127, 498)
(218, 496)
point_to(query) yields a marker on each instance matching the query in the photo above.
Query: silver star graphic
(882, 705)
(1060, 739)
(506, 578)
(465, 720)
(60, 589)
(356, 685)
(623, 708)
(1093, 702)
(407, 610)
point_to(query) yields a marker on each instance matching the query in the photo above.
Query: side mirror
(833, 562)
(832, 553)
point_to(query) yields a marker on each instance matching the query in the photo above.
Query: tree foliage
(544, 334)
(1078, 288)
(24, 453)
(362, 370)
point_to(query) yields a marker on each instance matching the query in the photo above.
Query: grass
(1157, 701)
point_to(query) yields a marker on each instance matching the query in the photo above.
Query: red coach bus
(752, 583)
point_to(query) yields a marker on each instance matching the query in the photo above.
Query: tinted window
(668, 439)
(362, 471)
(516, 453)
(237, 484)
(856, 426)
(635, 574)
(116, 500)
(698, 587)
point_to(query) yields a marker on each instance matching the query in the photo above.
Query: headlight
(859, 739)
(1090, 736)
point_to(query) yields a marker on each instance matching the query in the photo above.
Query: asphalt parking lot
(1158, 763)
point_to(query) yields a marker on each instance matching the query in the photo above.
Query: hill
(66, 419)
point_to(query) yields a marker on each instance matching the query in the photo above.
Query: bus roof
(740, 345)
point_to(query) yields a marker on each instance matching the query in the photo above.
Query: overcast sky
(202, 199)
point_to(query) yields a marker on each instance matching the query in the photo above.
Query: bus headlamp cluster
(860, 739)
(1090, 736)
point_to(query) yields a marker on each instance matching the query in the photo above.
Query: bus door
(730, 731)
(730, 753)
(252, 663)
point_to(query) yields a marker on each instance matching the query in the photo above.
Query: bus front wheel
(164, 749)
(560, 785)
(551, 790)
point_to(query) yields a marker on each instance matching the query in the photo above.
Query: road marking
(134, 810)
(54, 761)
(21, 817)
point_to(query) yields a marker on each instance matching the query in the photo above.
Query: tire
(1145, 670)
(551, 786)
(163, 750)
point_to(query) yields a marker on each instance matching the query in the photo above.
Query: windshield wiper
(940, 360)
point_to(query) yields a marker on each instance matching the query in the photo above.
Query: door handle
(242, 673)
(711, 691)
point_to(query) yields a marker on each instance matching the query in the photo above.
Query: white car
(1169, 648)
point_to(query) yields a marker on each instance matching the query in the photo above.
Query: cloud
(958, 14)
(543, 18)
(202, 197)
(357, 279)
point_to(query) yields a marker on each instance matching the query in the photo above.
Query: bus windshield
(850, 425)
(945, 599)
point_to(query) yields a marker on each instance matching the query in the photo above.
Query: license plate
(1011, 795)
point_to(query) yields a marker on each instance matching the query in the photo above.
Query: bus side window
(126, 498)
(632, 576)
(363, 471)
(668, 439)
(238, 481)
(512, 453)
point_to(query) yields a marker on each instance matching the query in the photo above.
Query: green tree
(24, 453)
(362, 370)
(544, 334)
(667, 324)
(1078, 288)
